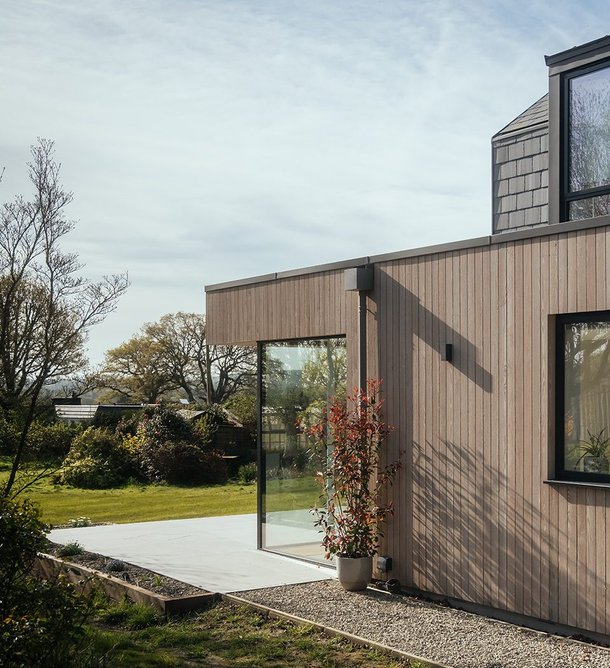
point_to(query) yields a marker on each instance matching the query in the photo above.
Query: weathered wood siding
(298, 307)
(473, 519)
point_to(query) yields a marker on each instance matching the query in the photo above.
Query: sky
(206, 141)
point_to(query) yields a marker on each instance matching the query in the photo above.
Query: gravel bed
(142, 577)
(439, 633)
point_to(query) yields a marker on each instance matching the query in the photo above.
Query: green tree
(46, 307)
(135, 371)
(172, 355)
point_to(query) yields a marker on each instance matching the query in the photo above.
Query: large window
(298, 381)
(586, 163)
(583, 397)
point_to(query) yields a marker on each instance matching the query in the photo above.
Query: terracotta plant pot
(354, 573)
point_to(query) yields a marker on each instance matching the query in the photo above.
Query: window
(586, 162)
(583, 397)
(298, 379)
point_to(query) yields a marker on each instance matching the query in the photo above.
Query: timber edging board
(332, 632)
(48, 567)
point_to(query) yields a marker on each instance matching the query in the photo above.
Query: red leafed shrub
(349, 440)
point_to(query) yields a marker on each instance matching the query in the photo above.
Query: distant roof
(189, 414)
(537, 114)
(76, 413)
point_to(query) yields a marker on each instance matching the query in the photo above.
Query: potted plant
(595, 452)
(348, 441)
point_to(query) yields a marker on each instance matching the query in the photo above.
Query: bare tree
(46, 306)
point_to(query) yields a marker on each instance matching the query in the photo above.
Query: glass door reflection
(298, 381)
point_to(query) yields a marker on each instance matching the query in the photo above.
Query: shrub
(42, 622)
(244, 406)
(205, 428)
(116, 566)
(70, 549)
(97, 460)
(9, 437)
(51, 441)
(182, 463)
(206, 425)
(247, 473)
(110, 419)
(161, 425)
(128, 424)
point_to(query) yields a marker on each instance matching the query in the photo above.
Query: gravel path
(438, 633)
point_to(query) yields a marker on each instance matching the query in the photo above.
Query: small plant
(246, 473)
(130, 615)
(596, 448)
(78, 522)
(70, 549)
(348, 443)
(116, 566)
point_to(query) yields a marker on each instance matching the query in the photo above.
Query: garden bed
(120, 579)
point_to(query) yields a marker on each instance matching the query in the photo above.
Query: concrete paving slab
(216, 553)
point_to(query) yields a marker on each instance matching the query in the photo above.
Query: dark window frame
(565, 196)
(560, 322)
(261, 480)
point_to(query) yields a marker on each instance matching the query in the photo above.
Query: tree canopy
(172, 356)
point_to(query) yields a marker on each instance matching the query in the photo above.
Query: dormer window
(579, 133)
(586, 127)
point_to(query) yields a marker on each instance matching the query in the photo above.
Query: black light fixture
(447, 352)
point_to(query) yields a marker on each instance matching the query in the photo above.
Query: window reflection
(299, 379)
(589, 130)
(587, 397)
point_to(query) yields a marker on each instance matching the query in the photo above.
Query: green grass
(292, 494)
(224, 635)
(143, 503)
(137, 503)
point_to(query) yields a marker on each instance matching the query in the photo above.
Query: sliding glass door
(298, 381)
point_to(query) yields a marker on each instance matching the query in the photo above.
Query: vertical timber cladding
(297, 307)
(473, 518)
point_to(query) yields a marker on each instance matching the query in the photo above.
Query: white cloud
(207, 141)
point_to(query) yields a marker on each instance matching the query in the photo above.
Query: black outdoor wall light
(447, 352)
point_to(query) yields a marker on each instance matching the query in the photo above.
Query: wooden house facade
(492, 353)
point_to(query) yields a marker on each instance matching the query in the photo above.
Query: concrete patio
(216, 553)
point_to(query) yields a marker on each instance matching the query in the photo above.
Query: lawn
(224, 635)
(143, 503)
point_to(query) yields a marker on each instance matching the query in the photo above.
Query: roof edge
(465, 244)
(578, 51)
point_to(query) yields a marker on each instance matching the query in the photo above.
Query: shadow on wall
(474, 521)
(406, 311)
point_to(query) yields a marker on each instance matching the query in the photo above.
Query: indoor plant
(595, 452)
(349, 442)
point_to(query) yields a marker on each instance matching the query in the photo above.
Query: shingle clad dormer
(520, 170)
